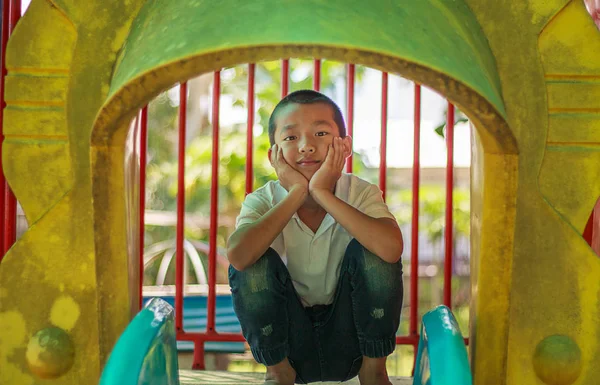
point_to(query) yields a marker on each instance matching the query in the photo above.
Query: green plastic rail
(146, 352)
(442, 356)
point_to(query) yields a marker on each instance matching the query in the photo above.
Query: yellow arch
(76, 54)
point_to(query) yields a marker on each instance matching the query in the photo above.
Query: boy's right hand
(288, 177)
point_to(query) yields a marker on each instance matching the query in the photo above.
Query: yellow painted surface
(48, 165)
(535, 173)
(59, 62)
(581, 128)
(35, 121)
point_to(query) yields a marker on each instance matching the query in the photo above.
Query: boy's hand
(327, 176)
(288, 177)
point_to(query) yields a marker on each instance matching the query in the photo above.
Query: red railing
(351, 69)
(211, 334)
(413, 330)
(180, 209)
(11, 13)
(448, 228)
(143, 119)
(250, 130)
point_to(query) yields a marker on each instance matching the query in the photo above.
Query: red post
(179, 265)
(448, 241)
(198, 363)
(588, 231)
(3, 185)
(214, 208)
(249, 131)
(383, 146)
(15, 13)
(285, 77)
(10, 201)
(317, 75)
(350, 109)
(142, 207)
(414, 233)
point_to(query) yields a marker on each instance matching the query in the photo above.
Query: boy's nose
(307, 148)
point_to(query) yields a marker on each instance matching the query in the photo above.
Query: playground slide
(146, 352)
(442, 355)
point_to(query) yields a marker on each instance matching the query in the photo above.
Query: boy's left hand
(327, 176)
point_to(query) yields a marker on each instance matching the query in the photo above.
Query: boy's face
(304, 133)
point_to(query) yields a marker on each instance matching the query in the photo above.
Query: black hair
(306, 97)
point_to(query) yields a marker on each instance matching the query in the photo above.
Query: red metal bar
(179, 266)
(588, 232)
(143, 160)
(414, 253)
(198, 363)
(10, 219)
(350, 109)
(15, 13)
(249, 131)
(449, 206)
(414, 249)
(285, 77)
(595, 244)
(383, 147)
(213, 336)
(10, 201)
(214, 207)
(3, 186)
(317, 75)
(408, 340)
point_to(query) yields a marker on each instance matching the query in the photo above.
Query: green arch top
(439, 34)
(438, 43)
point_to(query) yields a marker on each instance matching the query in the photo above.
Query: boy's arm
(250, 241)
(382, 236)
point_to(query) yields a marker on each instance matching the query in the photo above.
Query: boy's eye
(322, 133)
(291, 137)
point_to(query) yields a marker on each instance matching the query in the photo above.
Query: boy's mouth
(308, 162)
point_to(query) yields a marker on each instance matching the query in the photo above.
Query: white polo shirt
(314, 259)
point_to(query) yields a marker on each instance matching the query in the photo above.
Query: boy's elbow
(233, 256)
(395, 251)
(393, 256)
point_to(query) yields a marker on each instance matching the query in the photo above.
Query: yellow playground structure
(525, 72)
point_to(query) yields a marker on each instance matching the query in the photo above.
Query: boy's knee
(258, 276)
(380, 277)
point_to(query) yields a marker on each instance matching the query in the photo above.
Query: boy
(331, 310)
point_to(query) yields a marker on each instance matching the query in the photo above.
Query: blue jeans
(322, 342)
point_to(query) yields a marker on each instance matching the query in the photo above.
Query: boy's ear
(347, 146)
(270, 151)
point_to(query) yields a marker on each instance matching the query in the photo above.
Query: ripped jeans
(322, 342)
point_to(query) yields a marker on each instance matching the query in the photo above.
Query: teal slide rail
(442, 356)
(146, 352)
